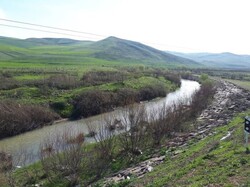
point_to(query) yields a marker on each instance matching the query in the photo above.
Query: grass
(25, 77)
(141, 82)
(243, 84)
(208, 162)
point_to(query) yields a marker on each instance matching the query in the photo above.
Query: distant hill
(109, 49)
(220, 60)
(113, 48)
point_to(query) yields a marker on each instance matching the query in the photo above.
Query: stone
(231, 107)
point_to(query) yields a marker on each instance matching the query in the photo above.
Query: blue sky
(179, 25)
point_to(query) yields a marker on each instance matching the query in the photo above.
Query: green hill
(112, 49)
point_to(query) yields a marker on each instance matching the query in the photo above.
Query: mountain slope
(113, 48)
(110, 49)
(221, 60)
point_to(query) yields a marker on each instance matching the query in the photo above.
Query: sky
(174, 25)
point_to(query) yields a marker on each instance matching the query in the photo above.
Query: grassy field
(243, 84)
(210, 162)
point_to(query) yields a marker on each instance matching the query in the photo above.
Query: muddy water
(30, 142)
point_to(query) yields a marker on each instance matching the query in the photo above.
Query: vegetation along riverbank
(143, 135)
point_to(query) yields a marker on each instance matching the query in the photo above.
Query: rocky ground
(228, 100)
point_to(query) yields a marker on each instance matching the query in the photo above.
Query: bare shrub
(92, 103)
(92, 130)
(17, 118)
(8, 83)
(100, 77)
(133, 139)
(201, 98)
(62, 81)
(105, 137)
(62, 158)
(173, 77)
(159, 123)
(126, 96)
(151, 92)
(98, 159)
(5, 161)
(9, 164)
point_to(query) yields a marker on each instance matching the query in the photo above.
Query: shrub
(134, 137)
(126, 96)
(92, 103)
(100, 77)
(62, 81)
(151, 92)
(62, 157)
(8, 83)
(201, 98)
(18, 118)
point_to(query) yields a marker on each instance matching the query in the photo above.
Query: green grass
(146, 81)
(25, 77)
(207, 162)
(243, 84)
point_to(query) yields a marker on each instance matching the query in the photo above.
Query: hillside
(112, 49)
(221, 60)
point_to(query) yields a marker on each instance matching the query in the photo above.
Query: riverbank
(229, 100)
(123, 158)
(92, 97)
(30, 141)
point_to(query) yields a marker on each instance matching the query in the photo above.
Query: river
(30, 142)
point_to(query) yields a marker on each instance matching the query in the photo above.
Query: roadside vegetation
(212, 161)
(67, 161)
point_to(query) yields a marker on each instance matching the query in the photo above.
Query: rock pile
(136, 171)
(228, 100)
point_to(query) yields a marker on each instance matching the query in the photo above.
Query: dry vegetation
(17, 118)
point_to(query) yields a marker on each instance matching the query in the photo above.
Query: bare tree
(159, 123)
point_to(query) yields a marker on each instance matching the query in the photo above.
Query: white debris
(225, 137)
(149, 168)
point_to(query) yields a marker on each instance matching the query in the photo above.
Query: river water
(30, 142)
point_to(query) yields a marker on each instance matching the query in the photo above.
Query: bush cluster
(97, 101)
(101, 77)
(17, 118)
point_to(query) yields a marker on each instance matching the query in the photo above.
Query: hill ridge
(109, 49)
